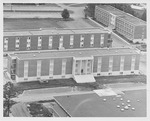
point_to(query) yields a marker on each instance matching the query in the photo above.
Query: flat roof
(122, 14)
(92, 105)
(74, 53)
(54, 31)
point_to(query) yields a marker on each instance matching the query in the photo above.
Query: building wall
(121, 25)
(57, 68)
(45, 65)
(20, 69)
(137, 62)
(127, 62)
(102, 16)
(116, 63)
(55, 42)
(125, 28)
(8, 64)
(105, 64)
(139, 31)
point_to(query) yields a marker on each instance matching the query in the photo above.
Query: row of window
(100, 11)
(51, 67)
(111, 63)
(124, 28)
(124, 24)
(28, 46)
(81, 66)
(125, 33)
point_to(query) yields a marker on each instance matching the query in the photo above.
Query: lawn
(34, 23)
(78, 24)
(121, 79)
(81, 86)
(20, 87)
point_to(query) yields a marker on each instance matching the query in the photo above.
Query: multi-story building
(130, 27)
(80, 64)
(53, 39)
(107, 15)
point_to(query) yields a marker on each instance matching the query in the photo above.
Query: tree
(144, 16)
(8, 94)
(85, 12)
(91, 9)
(65, 14)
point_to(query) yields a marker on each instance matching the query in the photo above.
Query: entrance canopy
(84, 78)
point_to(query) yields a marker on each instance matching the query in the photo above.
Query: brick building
(53, 39)
(80, 64)
(134, 29)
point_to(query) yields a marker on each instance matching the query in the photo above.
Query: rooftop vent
(34, 55)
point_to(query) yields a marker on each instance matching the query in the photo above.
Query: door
(83, 67)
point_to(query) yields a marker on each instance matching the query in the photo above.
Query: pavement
(49, 93)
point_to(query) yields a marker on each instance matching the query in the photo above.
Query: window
(92, 41)
(99, 64)
(39, 42)
(61, 42)
(133, 62)
(81, 41)
(25, 69)
(63, 67)
(89, 66)
(122, 63)
(17, 43)
(77, 66)
(102, 40)
(5, 44)
(38, 68)
(71, 41)
(28, 43)
(50, 41)
(110, 63)
(51, 66)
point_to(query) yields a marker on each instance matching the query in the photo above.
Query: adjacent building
(53, 39)
(132, 28)
(80, 64)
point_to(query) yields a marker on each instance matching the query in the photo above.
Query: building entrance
(83, 70)
(83, 67)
